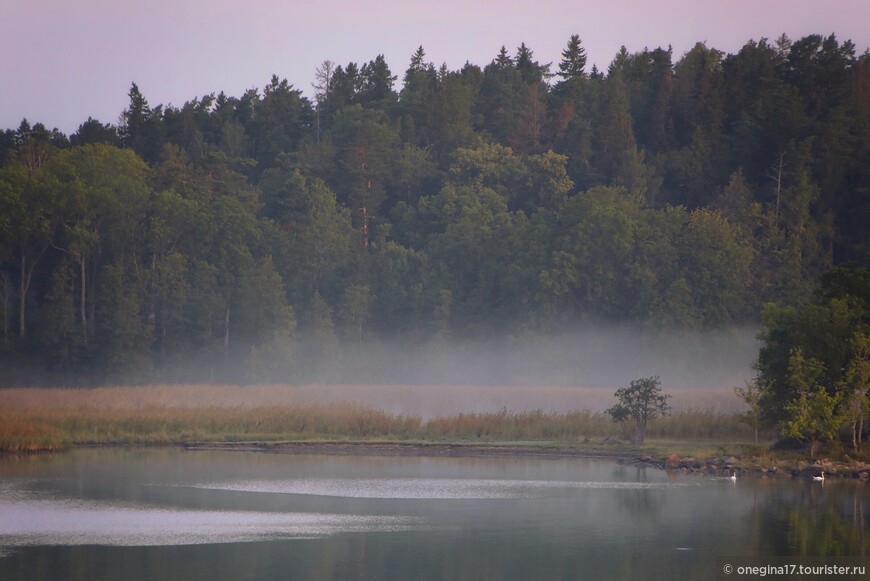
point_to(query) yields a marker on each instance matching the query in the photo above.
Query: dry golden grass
(33, 419)
(427, 401)
(27, 434)
(534, 425)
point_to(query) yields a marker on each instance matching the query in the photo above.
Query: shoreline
(423, 449)
(711, 466)
(743, 465)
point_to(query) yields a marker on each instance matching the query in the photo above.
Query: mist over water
(568, 371)
(607, 358)
(596, 356)
(518, 373)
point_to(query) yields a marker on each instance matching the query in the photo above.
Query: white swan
(733, 477)
(819, 478)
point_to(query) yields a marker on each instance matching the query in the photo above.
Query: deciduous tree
(642, 401)
(813, 415)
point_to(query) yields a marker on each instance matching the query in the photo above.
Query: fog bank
(604, 358)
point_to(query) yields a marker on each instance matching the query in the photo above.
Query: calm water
(170, 514)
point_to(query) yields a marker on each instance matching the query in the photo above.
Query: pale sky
(62, 61)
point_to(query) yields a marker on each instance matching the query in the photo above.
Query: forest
(260, 237)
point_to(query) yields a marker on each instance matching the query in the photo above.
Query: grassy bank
(54, 419)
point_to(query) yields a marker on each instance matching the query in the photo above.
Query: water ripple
(60, 522)
(417, 488)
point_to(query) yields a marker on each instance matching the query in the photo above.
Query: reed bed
(427, 401)
(27, 434)
(53, 429)
(533, 425)
(50, 419)
(702, 424)
(695, 424)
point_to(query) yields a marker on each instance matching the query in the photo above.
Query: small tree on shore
(855, 386)
(641, 401)
(620, 414)
(751, 396)
(812, 416)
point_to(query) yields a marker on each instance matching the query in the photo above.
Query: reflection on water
(171, 514)
(38, 522)
(407, 488)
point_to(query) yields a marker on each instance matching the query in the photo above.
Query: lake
(170, 514)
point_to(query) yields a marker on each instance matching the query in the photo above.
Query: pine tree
(135, 121)
(416, 100)
(377, 83)
(530, 70)
(418, 64)
(503, 60)
(573, 63)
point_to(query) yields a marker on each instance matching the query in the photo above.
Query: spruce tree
(573, 63)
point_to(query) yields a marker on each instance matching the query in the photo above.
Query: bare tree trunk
(317, 122)
(227, 334)
(323, 77)
(92, 301)
(82, 301)
(5, 280)
(21, 295)
(778, 180)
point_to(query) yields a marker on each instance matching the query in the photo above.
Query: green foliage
(812, 366)
(124, 337)
(813, 415)
(355, 309)
(823, 332)
(642, 401)
(855, 387)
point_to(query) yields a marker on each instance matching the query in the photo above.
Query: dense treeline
(813, 379)
(255, 236)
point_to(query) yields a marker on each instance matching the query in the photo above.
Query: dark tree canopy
(659, 190)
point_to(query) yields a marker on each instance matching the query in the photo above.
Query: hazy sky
(62, 61)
